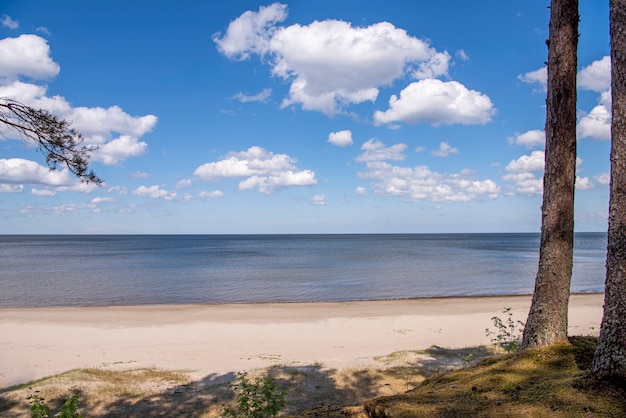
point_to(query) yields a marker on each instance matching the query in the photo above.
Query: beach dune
(215, 340)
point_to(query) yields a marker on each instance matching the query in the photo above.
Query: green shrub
(256, 398)
(39, 409)
(508, 334)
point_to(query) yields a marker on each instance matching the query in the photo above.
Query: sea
(106, 270)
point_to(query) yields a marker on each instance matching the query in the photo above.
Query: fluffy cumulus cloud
(603, 178)
(155, 192)
(251, 32)
(597, 123)
(340, 138)
(330, 63)
(28, 56)
(259, 169)
(445, 150)
(419, 183)
(119, 149)
(537, 77)
(596, 76)
(375, 150)
(438, 103)
(25, 60)
(526, 173)
(530, 139)
(18, 171)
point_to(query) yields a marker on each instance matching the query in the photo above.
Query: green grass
(550, 382)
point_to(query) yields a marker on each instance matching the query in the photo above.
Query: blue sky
(297, 117)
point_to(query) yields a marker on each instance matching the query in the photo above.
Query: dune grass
(436, 382)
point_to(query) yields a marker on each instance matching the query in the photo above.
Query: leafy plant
(256, 398)
(508, 333)
(39, 409)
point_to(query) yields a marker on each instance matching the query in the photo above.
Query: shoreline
(311, 302)
(218, 339)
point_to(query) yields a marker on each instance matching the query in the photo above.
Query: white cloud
(44, 30)
(340, 138)
(211, 194)
(597, 123)
(26, 55)
(360, 191)
(182, 184)
(436, 66)
(445, 150)
(43, 192)
(596, 76)
(420, 183)
(7, 22)
(250, 33)
(523, 171)
(319, 199)
(533, 162)
(529, 139)
(99, 200)
(375, 150)
(583, 183)
(462, 55)
(96, 121)
(263, 96)
(438, 103)
(330, 63)
(526, 172)
(11, 188)
(119, 149)
(78, 186)
(154, 192)
(603, 178)
(539, 76)
(20, 171)
(260, 168)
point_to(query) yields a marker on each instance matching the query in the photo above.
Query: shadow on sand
(311, 389)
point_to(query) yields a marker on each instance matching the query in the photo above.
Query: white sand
(213, 340)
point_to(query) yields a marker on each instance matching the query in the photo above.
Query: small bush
(39, 409)
(508, 334)
(255, 398)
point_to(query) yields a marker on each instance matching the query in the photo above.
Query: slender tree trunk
(547, 319)
(610, 357)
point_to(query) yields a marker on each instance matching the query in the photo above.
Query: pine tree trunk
(547, 319)
(610, 357)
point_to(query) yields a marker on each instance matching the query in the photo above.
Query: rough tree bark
(610, 356)
(547, 319)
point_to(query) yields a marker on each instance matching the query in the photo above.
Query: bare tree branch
(53, 136)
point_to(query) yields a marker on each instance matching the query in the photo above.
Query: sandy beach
(216, 340)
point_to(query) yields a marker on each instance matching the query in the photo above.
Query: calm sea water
(151, 269)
